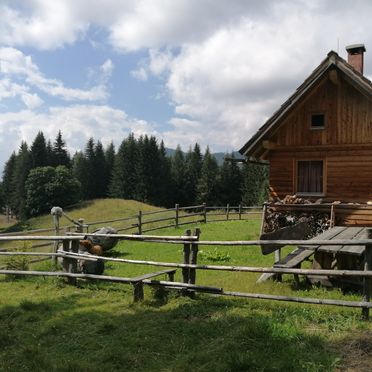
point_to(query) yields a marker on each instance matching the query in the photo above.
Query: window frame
(312, 114)
(324, 178)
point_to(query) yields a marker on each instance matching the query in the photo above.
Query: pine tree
(124, 180)
(90, 174)
(49, 153)
(109, 158)
(254, 184)
(80, 172)
(8, 175)
(178, 171)
(207, 185)
(164, 196)
(230, 183)
(194, 163)
(101, 171)
(23, 165)
(60, 155)
(38, 151)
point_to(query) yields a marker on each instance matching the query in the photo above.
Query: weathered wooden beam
(353, 273)
(299, 231)
(333, 77)
(269, 145)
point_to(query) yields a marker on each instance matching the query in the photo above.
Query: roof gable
(333, 61)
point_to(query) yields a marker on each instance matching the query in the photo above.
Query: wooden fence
(140, 223)
(189, 267)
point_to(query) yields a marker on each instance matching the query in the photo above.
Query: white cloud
(227, 65)
(77, 123)
(140, 74)
(106, 69)
(9, 89)
(15, 64)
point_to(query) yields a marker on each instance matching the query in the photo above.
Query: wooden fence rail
(189, 267)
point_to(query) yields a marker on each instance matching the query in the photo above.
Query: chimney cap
(356, 48)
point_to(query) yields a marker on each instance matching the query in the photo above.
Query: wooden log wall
(344, 144)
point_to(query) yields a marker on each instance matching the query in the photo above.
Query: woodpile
(277, 218)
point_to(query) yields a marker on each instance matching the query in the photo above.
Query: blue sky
(186, 71)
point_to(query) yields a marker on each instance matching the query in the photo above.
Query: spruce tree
(23, 164)
(207, 186)
(124, 180)
(254, 184)
(80, 172)
(38, 151)
(60, 155)
(109, 158)
(230, 182)
(164, 196)
(178, 169)
(194, 162)
(101, 171)
(90, 173)
(8, 174)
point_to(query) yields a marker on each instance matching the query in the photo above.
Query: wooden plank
(298, 231)
(295, 258)
(356, 249)
(348, 233)
(152, 275)
(326, 235)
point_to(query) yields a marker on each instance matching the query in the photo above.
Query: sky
(186, 71)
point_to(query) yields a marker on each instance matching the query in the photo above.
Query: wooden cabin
(319, 143)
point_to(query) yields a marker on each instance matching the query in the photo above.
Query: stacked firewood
(277, 218)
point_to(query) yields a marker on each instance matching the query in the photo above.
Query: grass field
(46, 325)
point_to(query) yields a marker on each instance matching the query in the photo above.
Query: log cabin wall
(344, 144)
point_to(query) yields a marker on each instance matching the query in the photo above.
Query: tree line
(41, 175)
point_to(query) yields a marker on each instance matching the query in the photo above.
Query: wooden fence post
(186, 259)
(367, 281)
(263, 220)
(240, 212)
(194, 257)
(56, 215)
(69, 264)
(227, 211)
(139, 222)
(333, 215)
(176, 216)
(205, 212)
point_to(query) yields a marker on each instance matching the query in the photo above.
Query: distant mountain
(218, 155)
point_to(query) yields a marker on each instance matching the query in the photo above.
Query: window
(310, 177)
(317, 121)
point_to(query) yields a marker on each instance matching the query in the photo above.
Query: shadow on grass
(206, 334)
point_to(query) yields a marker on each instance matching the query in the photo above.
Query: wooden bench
(137, 282)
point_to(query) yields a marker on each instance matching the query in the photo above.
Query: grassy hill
(93, 210)
(48, 325)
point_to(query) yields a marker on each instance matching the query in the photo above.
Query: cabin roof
(333, 61)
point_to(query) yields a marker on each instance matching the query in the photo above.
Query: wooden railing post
(332, 216)
(227, 211)
(366, 280)
(186, 259)
(176, 215)
(194, 257)
(263, 219)
(240, 212)
(139, 222)
(205, 212)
